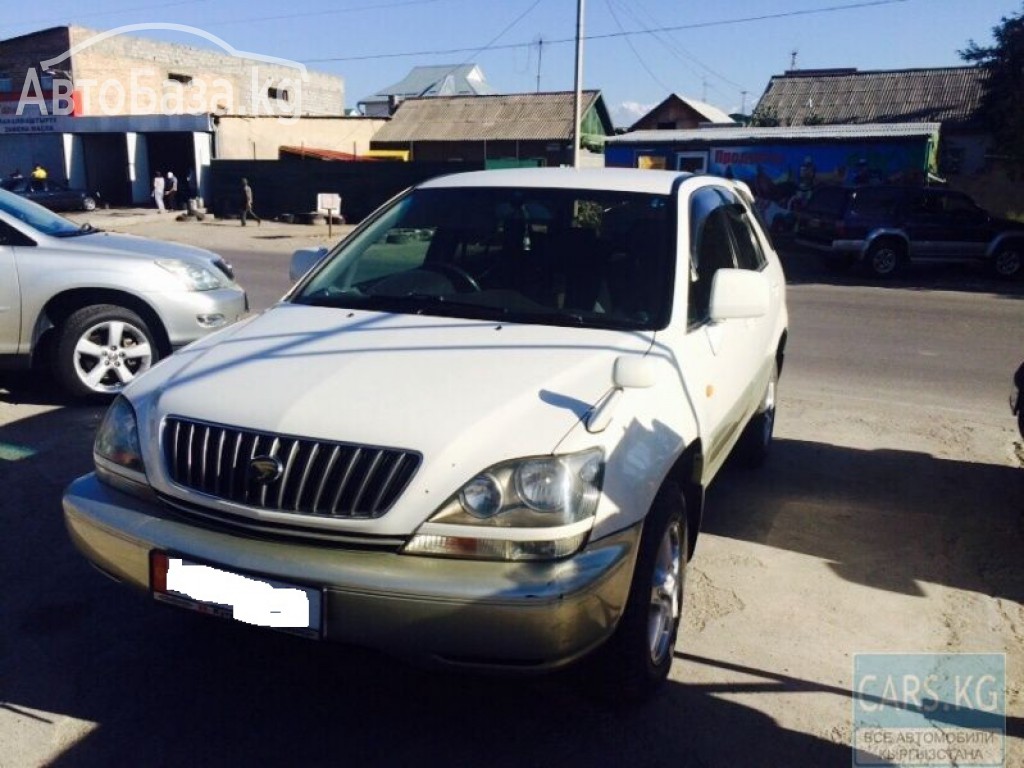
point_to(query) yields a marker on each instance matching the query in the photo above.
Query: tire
(635, 661)
(101, 348)
(756, 440)
(88, 204)
(885, 258)
(1008, 262)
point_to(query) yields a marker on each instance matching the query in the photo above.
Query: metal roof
(802, 132)
(517, 116)
(438, 80)
(950, 95)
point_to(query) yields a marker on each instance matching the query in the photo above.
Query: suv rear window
(827, 201)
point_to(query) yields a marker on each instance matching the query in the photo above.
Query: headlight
(117, 452)
(536, 509)
(194, 276)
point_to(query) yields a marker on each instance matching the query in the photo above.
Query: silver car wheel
(666, 594)
(110, 354)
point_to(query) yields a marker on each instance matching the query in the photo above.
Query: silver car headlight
(195, 277)
(117, 452)
(527, 509)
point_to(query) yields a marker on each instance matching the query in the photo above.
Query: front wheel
(884, 258)
(637, 658)
(101, 349)
(1008, 261)
(88, 204)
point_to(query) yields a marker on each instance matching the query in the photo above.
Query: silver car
(99, 308)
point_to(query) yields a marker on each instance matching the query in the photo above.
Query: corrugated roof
(805, 132)
(949, 95)
(436, 80)
(710, 113)
(517, 116)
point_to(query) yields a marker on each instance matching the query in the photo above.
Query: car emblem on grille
(264, 470)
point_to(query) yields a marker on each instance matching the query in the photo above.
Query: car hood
(463, 393)
(133, 246)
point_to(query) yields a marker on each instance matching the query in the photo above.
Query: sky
(636, 52)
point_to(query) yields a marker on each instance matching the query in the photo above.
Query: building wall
(673, 115)
(21, 54)
(243, 138)
(126, 74)
(552, 153)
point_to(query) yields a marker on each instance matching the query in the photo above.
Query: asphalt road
(888, 518)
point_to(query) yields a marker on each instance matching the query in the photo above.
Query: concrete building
(108, 110)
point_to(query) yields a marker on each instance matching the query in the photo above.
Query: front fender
(884, 232)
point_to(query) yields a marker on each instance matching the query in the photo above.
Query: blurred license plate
(250, 599)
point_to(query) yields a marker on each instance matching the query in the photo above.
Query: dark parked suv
(885, 227)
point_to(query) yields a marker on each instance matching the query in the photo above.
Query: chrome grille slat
(336, 500)
(317, 477)
(309, 463)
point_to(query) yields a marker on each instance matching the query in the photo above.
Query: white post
(578, 101)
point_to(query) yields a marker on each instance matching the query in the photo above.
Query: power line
(611, 35)
(636, 53)
(23, 23)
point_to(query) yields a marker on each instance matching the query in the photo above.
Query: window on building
(180, 78)
(6, 84)
(281, 94)
(666, 125)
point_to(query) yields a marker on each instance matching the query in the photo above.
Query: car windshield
(550, 256)
(39, 218)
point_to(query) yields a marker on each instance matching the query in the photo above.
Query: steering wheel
(450, 270)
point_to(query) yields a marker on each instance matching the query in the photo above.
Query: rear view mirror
(738, 293)
(304, 260)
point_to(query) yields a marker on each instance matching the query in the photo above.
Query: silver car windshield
(550, 256)
(39, 218)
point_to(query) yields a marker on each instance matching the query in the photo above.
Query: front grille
(302, 476)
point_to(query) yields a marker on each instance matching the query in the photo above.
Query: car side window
(711, 249)
(748, 251)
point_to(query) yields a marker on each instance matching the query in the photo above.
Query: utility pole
(578, 102)
(792, 58)
(743, 104)
(540, 59)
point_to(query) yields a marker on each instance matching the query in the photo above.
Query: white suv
(478, 431)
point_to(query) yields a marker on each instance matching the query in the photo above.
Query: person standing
(158, 191)
(171, 191)
(247, 203)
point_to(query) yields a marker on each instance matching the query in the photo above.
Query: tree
(767, 117)
(1002, 103)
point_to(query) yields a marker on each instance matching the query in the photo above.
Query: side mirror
(304, 260)
(629, 372)
(737, 294)
(632, 372)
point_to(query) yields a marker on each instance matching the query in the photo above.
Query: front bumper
(512, 615)
(182, 312)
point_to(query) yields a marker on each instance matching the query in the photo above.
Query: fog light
(210, 321)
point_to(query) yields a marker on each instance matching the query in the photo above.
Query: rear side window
(875, 202)
(828, 201)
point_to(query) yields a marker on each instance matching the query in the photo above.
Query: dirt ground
(883, 523)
